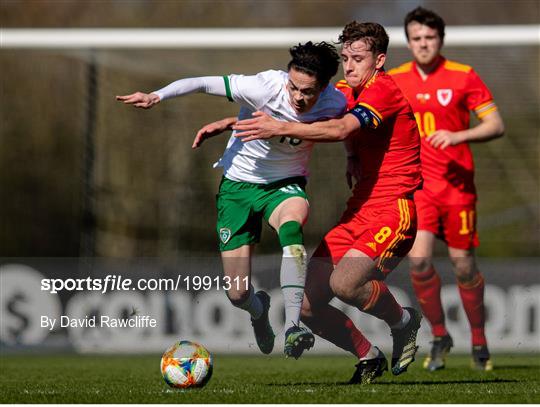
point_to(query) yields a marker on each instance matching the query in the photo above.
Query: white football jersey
(265, 161)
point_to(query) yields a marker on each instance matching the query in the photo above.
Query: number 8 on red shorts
(385, 233)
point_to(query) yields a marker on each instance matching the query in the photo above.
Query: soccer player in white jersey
(266, 178)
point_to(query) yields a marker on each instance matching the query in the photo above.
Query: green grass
(254, 379)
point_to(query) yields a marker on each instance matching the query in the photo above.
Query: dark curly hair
(425, 17)
(373, 34)
(315, 59)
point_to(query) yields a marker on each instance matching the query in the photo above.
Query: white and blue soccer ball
(186, 364)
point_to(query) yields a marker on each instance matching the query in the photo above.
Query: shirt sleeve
(253, 91)
(478, 98)
(376, 105)
(212, 85)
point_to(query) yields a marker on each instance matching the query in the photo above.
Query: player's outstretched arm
(212, 85)
(140, 99)
(212, 130)
(262, 126)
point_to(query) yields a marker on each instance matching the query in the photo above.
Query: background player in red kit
(379, 224)
(442, 93)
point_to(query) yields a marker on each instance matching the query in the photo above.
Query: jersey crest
(444, 96)
(225, 234)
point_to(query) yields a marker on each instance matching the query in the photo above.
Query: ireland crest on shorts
(224, 235)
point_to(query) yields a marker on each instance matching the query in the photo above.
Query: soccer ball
(186, 364)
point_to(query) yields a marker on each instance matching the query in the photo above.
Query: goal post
(490, 35)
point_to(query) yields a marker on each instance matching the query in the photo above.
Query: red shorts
(385, 233)
(454, 224)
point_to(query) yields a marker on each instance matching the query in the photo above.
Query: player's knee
(465, 273)
(465, 268)
(290, 233)
(335, 284)
(341, 289)
(419, 265)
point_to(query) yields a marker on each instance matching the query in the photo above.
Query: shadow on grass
(324, 384)
(433, 382)
(517, 367)
(400, 383)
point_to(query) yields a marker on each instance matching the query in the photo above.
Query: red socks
(472, 296)
(334, 326)
(427, 287)
(382, 304)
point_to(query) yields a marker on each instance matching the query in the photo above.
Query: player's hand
(261, 126)
(353, 171)
(444, 138)
(140, 99)
(212, 130)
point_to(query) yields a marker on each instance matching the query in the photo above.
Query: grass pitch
(260, 379)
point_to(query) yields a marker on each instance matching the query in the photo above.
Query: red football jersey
(389, 148)
(443, 102)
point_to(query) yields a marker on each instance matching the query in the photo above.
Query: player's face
(359, 63)
(303, 89)
(424, 43)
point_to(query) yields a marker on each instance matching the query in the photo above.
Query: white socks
(293, 280)
(372, 353)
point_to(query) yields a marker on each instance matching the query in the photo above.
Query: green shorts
(241, 207)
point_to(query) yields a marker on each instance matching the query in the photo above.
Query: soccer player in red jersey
(379, 225)
(442, 93)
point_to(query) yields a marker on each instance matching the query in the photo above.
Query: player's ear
(380, 60)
